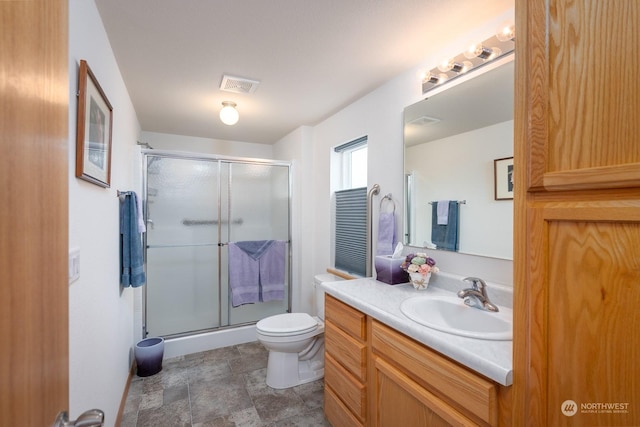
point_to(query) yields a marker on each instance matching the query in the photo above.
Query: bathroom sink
(451, 315)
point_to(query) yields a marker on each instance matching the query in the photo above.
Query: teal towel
(445, 236)
(131, 258)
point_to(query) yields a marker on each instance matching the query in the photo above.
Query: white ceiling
(312, 57)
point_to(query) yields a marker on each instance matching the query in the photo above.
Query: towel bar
(460, 202)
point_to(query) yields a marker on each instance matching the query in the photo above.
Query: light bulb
(430, 78)
(445, 65)
(466, 66)
(495, 52)
(450, 65)
(506, 32)
(229, 115)
(478, 51)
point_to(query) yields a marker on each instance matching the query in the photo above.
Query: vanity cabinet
(345, 372)
(376, 376)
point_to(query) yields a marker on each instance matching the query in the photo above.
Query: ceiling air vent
(238, 84)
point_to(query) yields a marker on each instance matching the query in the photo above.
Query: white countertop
(493, 359)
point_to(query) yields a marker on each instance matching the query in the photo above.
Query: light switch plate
(74, 265)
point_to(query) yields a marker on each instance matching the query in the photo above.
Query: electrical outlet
(74, 265)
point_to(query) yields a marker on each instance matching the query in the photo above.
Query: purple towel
(386, 233)
(272, 272)
(256, 271)
(244, 277)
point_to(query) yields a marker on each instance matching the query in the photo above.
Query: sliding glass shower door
(255, 206)
(194, 207)
(182, 245)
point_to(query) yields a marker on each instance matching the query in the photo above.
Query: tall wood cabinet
(577, 213)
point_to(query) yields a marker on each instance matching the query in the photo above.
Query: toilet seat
(287, 324)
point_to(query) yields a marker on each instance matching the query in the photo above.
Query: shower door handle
(150, 222)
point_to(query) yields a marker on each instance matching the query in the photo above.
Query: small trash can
(149, 353)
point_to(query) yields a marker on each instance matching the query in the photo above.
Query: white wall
(101, 331)
(296, 147)
(165, 141)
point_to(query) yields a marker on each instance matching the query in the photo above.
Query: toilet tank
(317, 280)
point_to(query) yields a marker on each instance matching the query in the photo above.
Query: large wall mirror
(451, 143)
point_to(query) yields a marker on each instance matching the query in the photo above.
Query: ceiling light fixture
(478, 55)
(229, 115)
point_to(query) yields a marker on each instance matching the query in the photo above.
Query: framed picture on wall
(503, 178)
(93, 139)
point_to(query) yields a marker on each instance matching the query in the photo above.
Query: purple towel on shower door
(244, 277)
(272, 272)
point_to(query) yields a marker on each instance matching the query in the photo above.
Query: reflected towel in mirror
(443, 212)
(445, 236)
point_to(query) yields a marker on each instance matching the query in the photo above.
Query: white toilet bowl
(296, 343)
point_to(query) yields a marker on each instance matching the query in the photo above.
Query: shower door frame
(183, 155)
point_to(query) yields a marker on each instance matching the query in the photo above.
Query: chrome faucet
(476, 295)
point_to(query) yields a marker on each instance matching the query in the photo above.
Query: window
(354, 163)
(351, 208)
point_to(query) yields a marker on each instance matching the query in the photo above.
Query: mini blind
(351, 230)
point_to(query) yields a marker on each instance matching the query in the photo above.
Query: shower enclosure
(195, 205)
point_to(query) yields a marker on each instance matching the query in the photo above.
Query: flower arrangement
(419, 263)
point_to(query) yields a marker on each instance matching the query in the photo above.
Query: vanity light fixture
(229, 115)
(477, 56)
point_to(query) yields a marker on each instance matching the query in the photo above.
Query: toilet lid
(287, 324)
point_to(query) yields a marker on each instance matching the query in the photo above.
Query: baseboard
(123, 400)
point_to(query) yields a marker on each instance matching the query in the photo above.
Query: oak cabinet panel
(456, 387)
(402, 402)
(577, 213)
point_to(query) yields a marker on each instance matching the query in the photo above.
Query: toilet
(295, 342)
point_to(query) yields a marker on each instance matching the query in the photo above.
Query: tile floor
(222, 387)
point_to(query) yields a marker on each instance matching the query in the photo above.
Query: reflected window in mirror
(451, 141)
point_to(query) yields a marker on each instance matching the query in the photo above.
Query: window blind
(351, 230)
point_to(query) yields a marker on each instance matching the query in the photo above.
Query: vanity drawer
(351, 391)
(460, 387)
(347, 318)
(336, 411)
(349, 352)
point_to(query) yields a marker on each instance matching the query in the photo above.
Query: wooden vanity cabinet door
(400, 401)
(462, 390)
